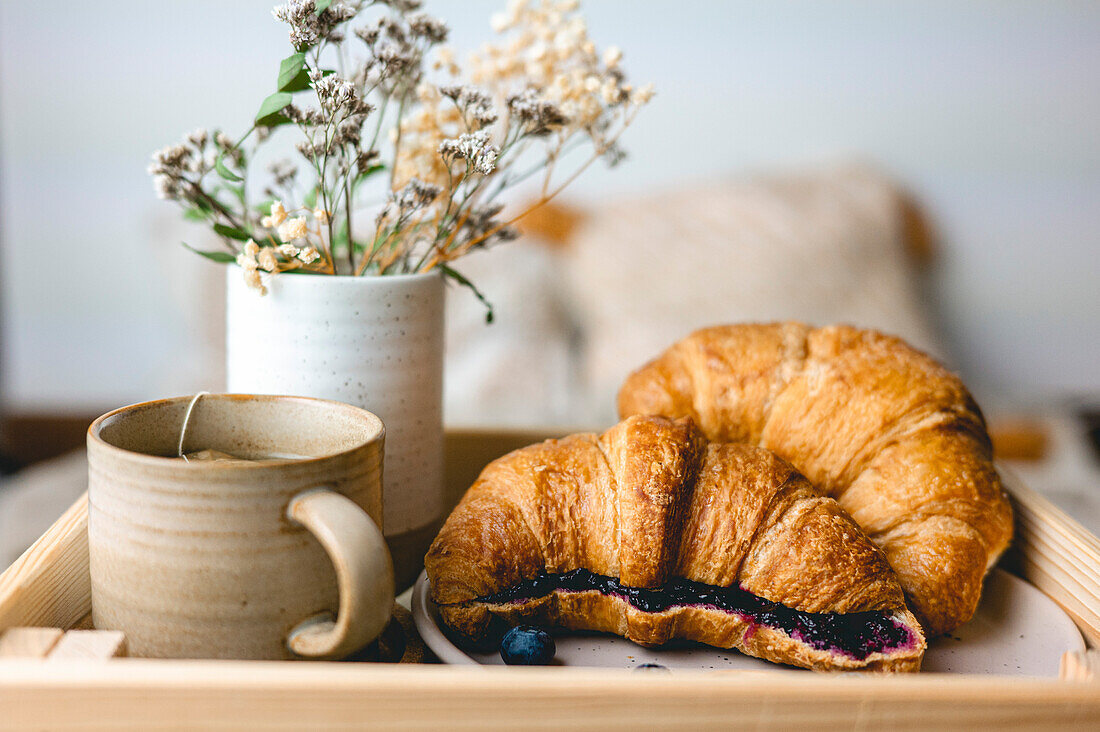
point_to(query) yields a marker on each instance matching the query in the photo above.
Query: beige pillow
(520, 371)
(821, 247)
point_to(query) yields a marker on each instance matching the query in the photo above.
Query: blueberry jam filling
(854, 634)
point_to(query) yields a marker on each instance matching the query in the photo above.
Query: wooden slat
(1080, 666)
(1057, 555)
(28, 642)
(49, 584)
(141, 694)
(101, 644)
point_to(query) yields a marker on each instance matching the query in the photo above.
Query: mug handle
(364, 575)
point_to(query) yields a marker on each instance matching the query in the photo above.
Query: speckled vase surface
(375, 342)
(259, 557)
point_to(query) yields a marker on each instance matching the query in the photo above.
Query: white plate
(1017, 631)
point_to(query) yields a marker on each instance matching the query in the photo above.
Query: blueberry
(526, 645)
(652, 667)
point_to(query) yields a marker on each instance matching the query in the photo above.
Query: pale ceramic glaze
(247, 560)
(375, 342)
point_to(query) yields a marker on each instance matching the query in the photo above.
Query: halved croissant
(651, 532)
(881, 427)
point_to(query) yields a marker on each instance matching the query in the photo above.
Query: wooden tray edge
(258, 694)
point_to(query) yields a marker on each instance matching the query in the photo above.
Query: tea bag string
(186, 419)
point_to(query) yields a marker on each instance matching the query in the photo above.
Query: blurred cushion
(521, 369)
(821, 247)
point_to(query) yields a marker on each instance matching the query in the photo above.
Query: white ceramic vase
(374, 342)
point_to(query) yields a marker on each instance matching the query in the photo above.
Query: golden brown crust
(881, 427)
(647, 501)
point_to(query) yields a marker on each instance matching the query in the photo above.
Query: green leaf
(232, 232)
(274, 120)
(461, 279)
(269, 116)
(194, 214)
(224, 172)
(311, 199)
(220, 257)
(297, 84)
(322, 5)
(289, 69)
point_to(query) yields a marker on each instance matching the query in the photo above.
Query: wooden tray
(48, 587)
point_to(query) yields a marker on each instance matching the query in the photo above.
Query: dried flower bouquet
(452, 148)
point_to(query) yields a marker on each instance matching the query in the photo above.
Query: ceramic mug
(258, 558)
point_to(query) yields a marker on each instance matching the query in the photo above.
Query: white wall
(987, 110)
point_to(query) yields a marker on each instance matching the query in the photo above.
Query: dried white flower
(167, 189)
(610, 92)
(198, 137)
(540, 115)
(427, 93)
(283, 171)
(267, 260)
(557, 85)
(292, 229)
(425, 26)
(416, 194)
(170, 159)
(338, 96)
(309, 152)
(500, 22)
(252, 280)
(278, 215)
(301, 16)
(474, 103)
(445, 60)
(642, 95)
(473, 147)
(404, 6)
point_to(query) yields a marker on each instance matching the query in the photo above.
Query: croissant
(651, 532)
(893, 436)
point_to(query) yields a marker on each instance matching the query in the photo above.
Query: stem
(244, 178)
(397, 141)
(544, 199)
(218, 206)
(324, 170)
(347, 205)
(381, 116)
(511, 181)
(321, 188)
